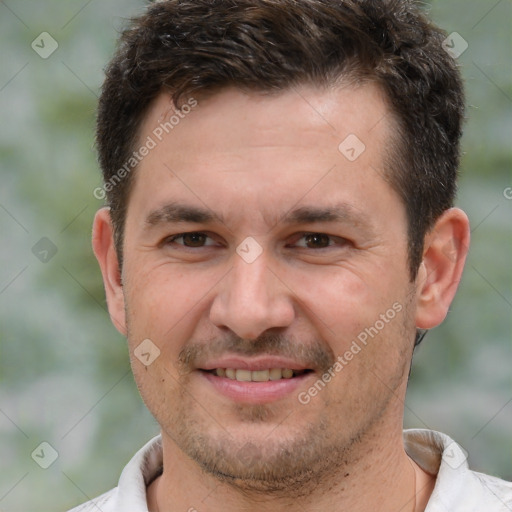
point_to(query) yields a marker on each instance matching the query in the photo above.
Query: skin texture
(250, 160)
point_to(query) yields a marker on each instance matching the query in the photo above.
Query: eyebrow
(338, 213)
(177, 212)
(344, 213)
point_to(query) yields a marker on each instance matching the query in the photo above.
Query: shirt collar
(143, 468)
(456, 488)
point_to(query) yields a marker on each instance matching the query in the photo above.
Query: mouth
(263, 375)
(255, 380)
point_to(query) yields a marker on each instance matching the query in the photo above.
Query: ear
(444, 255)
(104, 249)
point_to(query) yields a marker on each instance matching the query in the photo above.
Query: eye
(192, 239)
(318, 241)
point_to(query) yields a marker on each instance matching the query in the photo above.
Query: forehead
(305, 116)
(261, 153)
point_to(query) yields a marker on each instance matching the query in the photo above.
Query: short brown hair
(193, 46)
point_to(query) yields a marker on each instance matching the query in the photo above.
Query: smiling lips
(257, 379)
(265, 375)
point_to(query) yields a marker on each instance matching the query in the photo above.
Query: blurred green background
(64, 370)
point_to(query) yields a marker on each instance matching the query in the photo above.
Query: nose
(251, 299)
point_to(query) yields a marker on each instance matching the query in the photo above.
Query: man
(280, 233)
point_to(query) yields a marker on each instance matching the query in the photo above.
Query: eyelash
(299, 236)
(331, 238)
(172, 239)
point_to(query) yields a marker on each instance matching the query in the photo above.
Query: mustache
(313, 354)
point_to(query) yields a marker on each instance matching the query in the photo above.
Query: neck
(380, 477)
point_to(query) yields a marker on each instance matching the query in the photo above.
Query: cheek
(164, 303)
(340, 299)
(354, 312)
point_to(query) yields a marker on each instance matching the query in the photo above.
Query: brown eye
(317, 240)
(193, 239)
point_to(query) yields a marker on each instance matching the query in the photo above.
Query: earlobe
(444, 256)
(104, 249)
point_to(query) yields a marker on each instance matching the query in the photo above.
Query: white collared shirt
(457, 488)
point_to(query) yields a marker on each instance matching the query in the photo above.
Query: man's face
(323, 275)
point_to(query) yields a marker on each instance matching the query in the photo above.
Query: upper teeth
(255, 375)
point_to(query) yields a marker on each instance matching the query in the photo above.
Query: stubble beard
(310, 458)
(286, 467)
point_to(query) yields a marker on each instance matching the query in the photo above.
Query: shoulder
(103, 503)
(130, 493)
(472, 492)
(494, 489)
(457, 486)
